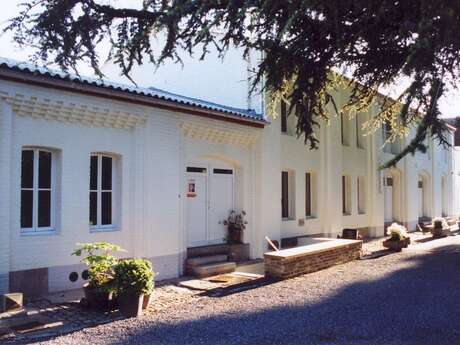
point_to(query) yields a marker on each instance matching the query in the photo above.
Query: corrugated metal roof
(149, 92)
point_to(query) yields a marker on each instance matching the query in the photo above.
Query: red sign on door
(191, 192)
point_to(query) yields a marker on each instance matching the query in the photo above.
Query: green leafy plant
(100, 261)
(236, 220)
(134, 276)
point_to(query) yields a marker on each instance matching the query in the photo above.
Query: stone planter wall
(293, 262)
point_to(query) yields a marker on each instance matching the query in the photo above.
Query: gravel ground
(412, 297)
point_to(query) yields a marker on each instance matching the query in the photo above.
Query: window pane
(106, 208)
(27, 169)
(26, 208)
(93, 173)
(44, 208)
(93, 208)
(307, 194)
(44, 169)
(284, 194)
(283, 117)
(106, 173)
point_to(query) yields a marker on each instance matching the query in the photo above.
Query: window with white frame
(310, 194)
(37, 190)
(361, 194)
(283, 110)
(102, 191)
(346, 195)
(287, 195)
(345, 129)
(360, 119)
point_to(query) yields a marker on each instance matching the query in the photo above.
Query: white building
(83, 160)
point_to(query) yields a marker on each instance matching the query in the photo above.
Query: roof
(33, 69)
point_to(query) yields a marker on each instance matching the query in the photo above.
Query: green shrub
(134, 276)
(100, 261)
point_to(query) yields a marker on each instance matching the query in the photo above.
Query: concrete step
(209, 270)
(216, 249)
(255, 266)
(208, 259)
(451, 221)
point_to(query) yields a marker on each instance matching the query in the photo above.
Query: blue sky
(449, 104)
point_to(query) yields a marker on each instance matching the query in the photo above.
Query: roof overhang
(119, 95)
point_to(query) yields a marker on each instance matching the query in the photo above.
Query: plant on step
(99, 258)
(397, 232)
(440, 223)
(236, 224)
(134, 280)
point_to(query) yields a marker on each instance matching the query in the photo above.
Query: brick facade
(289, 266)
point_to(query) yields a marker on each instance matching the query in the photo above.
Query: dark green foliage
(378, 41)
(134, 276)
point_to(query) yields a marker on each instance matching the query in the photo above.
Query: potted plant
(398, 237)
(440, 227)
(133, 279)
(236, 224)
(100, 262)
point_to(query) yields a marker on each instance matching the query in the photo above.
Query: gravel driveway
(411, 297)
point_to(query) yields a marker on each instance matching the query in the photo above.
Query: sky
(449, 103)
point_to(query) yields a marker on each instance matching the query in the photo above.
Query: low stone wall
(293, 262)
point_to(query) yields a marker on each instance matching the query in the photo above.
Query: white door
(220, 203)
(388, 197)
(209, 200)
(196, 195)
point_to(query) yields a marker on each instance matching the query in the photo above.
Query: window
(37, 189)
(346, 197)
(283, 117)
(101, 194)
(310, 194)
(345, 129)
(287, 195)
(360, 138)
(361, 194)
(308, 210)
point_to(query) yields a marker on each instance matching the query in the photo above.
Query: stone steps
(209, 265)
(208, 270)
(208, 259)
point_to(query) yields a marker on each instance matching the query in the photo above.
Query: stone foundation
(293, 262)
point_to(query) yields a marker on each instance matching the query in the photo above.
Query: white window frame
(361, 194)
(347, 205)
(99, 226)
(291, 195)
(35, 229)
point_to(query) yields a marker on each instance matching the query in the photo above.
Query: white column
(267, 188)
(5, 194)
(331, 174)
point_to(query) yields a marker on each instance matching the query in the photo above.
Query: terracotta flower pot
(130, 304)
(396, 245)
(235, 235)
(97, 298)
(146, 301)
(439, 232)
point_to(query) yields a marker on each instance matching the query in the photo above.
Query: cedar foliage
(377, 41)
